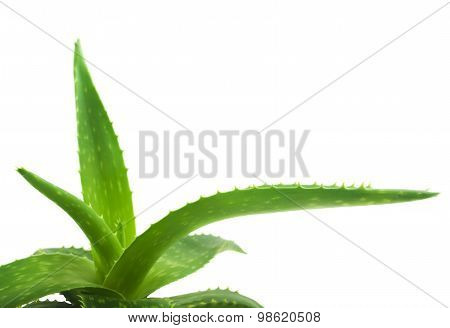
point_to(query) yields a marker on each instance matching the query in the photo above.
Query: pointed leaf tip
(103, 241)
(77, 46)
(184, 258)
(102, 169)
(248, 201)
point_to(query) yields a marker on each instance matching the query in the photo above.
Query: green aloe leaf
(36, 276)
(207, 299)
(107, 248)
(102, 168)
(100, 301)
(49, 304)
(218, 298)
(126, 277)
(183, 258)
(63, 250)
(75, 296)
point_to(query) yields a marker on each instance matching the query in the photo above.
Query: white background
(241, 65)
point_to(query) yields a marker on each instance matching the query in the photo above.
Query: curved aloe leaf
(217, 298)
(107, 248)
(102, 169)
(183, 258)
(63, 250)
(208, 299)
(36, 276)
(49, 304)
(126, 276)
(75, 296)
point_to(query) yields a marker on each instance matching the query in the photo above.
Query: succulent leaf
(126, 276)
(218, 298)
(96, 301)
(183, 258)
(49, 304)
(75, 296)
(207, 299)
(107, 248)
(102, 169)
(63, 250)
(36, 276)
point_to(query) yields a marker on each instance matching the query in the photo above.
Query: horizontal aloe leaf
(217, 298)
(63, 250)
(49, 304)
(36, 276)
(208, 299)
(183, 258)
(75, 296)
(102, 168)
(99, 301)
(105, 245)
(126, 276)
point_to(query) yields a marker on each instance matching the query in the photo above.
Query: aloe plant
(122, 270)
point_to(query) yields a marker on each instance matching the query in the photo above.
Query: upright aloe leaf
(105, 245)
(36, 276)
(183, 258)
(218, 298)
(126, 277)
(102, 169)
